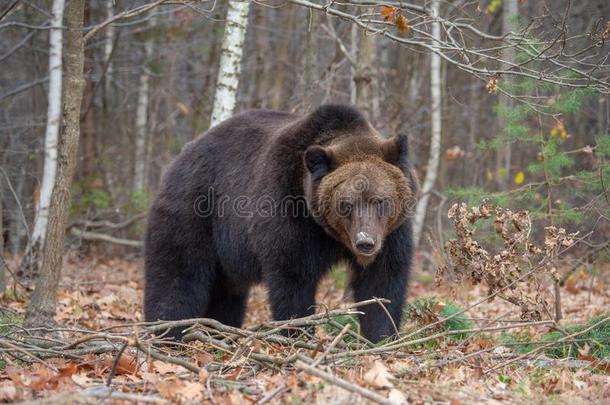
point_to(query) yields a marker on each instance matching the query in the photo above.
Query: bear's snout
(364, 243)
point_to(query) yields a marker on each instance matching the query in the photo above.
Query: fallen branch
(105, 238)
(339, 382)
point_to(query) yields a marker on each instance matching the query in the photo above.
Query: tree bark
(2, 271)
(365, 76)
(435, 141)
(282, 57)
(510, 8)
(41, 308)
(311, 84)
(108, 46)
(230, 61)
(139, 177)
(31, 262)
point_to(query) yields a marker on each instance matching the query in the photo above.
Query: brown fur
(208, 241)
(361, 174)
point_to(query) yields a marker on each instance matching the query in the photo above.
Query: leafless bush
(515, 272)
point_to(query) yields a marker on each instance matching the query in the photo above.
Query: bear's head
(359, 189)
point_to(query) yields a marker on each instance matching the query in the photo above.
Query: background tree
(436, 128)
(41, 308)
(230, 61)
(31, 261)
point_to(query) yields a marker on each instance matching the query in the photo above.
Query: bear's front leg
(386, 277)
(291, 296)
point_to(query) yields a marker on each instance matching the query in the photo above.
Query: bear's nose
(364, 242)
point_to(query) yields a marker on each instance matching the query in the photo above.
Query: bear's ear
(396, 151)
(318, 161)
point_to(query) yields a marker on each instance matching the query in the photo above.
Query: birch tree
(139, 178)
(108, 46)
(230, 61)
(435, 141)
(37, 239)
(41, 308)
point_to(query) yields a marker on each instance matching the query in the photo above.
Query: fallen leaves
(378, 376)
(39, 377)
(179, 391)
(108, 288)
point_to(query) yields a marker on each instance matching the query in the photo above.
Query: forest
(505, 105)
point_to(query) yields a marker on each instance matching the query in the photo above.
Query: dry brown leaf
(8, 391)
(378, 376)
(388, 13)
(397, 397)
(164, 368)
(402, 23)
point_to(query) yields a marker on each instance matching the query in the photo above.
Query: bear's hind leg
(227, 306)
(176, 291)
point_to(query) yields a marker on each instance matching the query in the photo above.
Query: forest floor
(97, 293)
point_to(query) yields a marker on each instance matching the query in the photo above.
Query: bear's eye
(345, 208)
(382, 206)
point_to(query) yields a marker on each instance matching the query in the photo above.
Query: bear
(278, 198)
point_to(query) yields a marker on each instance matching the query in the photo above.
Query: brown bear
(279, 198)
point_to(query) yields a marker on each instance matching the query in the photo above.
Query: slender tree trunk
(282, 58)
(353, 70)
(435, 141)
(311, 84)
(41, 308)
(30, 263)
(2, 271)
(230, 61)
(108, 46)
(471, 164)
(263, 50)
(87, 155)
(17, 228)
(365, 77)
(510, 8)
(139, 178)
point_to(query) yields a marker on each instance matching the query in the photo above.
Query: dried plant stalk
(467, 260)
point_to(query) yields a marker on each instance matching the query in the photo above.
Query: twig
(368, 394)
(115, 363)
(272, 394)
(105, 238)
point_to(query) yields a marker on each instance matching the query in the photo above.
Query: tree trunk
(311, 83)
(31, 262)
(365, 77)
(282, 57)
(435, 142)
(139, 177)
(230, 61)
(108, 46)
(353, 38)
(262, 18)
(41, 308)
(87, 154)
(2, 271)
(510, 8)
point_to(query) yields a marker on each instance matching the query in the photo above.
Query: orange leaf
(68, 369)
(402, 23)
(388, 13)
